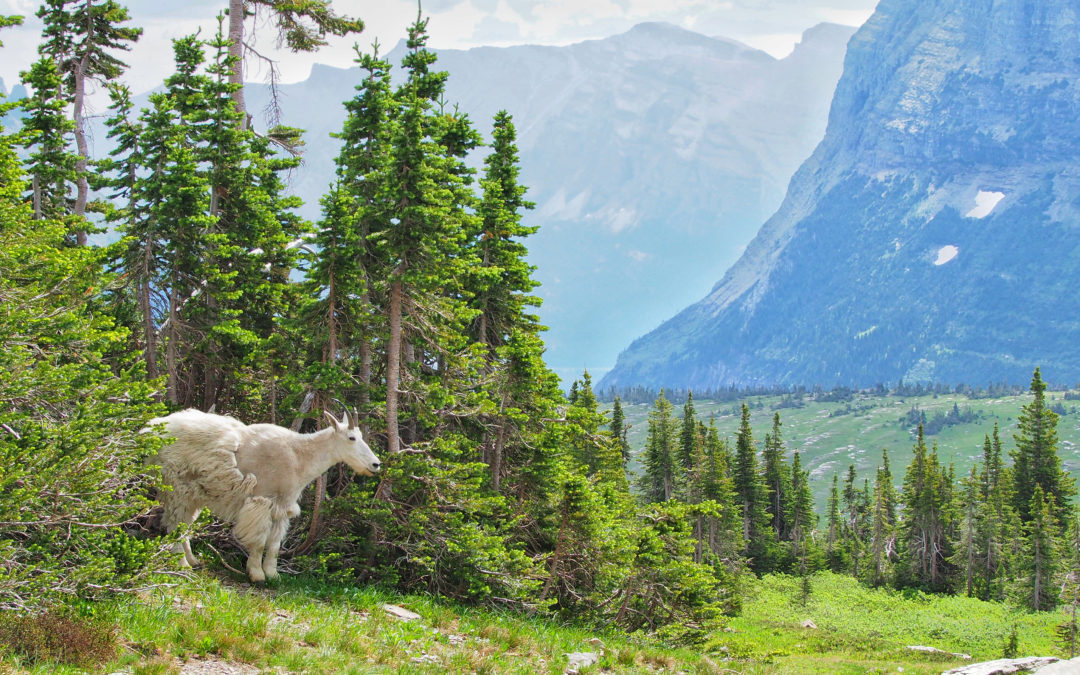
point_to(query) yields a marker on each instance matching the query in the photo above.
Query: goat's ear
(333, 420)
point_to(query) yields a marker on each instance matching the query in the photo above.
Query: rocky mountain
(934, 234)
(652, 156)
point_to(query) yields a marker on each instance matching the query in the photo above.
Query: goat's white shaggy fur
(249, 475)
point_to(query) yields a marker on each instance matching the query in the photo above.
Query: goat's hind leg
(179, 510)
(252, 529)
(273, 545)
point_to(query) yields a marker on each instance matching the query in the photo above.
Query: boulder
(578, 660)
(1028, 664)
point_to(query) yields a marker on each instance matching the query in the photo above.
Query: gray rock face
(934, 234)
(653, 157)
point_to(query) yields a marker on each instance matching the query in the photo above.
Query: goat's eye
(352, 438)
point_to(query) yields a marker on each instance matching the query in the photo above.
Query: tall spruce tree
(619, 428)
(346, 278)
(1041, 564)
(688, 438)
(423, 241)
(657, 483)
(778, 481)
(834, 551)
(47, 137)
(801, 518)
(723, 530)
(752, 496)
(81, 38)
(924, 545)
(1036, 461)
(998, 524)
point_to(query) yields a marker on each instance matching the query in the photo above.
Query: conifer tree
(619, 428)
(47, 135)
(966, 557)
(884, 483)
(658, 477)
(724, 531)
(778, 481)
(1035, 460)
(752, 495)
(852, 539)
(1042, 552)
(801, 517)
(998, 524)
(81, 37)
(422, 243)
(688, 439)
(503, 279)
(346, 277)
(924, 546)
(833, 548)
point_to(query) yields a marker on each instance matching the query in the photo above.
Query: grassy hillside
(830, 435)
(301, 625)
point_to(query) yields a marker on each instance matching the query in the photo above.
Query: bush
(56, 637)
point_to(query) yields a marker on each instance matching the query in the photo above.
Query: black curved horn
(345, 408)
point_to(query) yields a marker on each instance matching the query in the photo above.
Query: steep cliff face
(934, 234)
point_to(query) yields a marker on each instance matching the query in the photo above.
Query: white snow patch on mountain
(945, 254)
(984, 203)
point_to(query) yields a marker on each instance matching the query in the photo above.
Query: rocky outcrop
(933, 235)
(1043, 665)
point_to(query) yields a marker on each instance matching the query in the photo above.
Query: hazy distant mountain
(653, 156)
(935, 232)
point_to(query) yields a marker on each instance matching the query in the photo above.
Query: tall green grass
(302, 625)
(869, 630)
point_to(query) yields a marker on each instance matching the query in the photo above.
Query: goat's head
(350, 445)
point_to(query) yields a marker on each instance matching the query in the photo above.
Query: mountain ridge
(876, 267)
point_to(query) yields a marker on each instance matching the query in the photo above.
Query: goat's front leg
(253, 526)
(273, 545)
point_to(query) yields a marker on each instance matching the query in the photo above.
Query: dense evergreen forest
(410, 300)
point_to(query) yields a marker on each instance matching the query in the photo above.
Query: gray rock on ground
(1028, 664)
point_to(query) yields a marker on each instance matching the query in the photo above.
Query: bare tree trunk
(149, 332)
(82, 185)
(171, 349)
(409, 358)
(393, 370)
(35, 185)
(331, 322)
(314, 533)
(497, 457)
(365, 382)
(236, 50)
(556, 555)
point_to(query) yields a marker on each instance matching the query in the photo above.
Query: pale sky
(771, 25)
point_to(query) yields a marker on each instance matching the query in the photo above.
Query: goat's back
(201, 459)
(195, 430)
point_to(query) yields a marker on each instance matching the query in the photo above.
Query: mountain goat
(249, 475)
